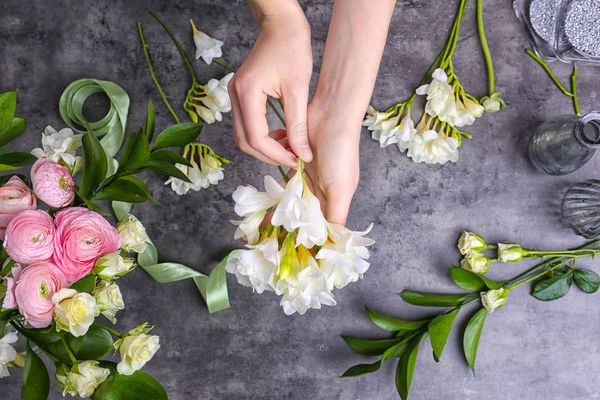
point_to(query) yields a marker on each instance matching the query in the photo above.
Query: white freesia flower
(136, 351)
(211, 173)
(247, 228)
(492, 300)
(467, 111)
(510, 252)
(7, 353)
(74, 312)
(60, 147)
(83, 379)
(177, 185)
(249, 200)
(206, 46)
(290, 207)
(205, 113)
(313, 226)
(257, 267)
(113, 265)
(440, 96)
(475, 261)
(470, 241)
(109, 299)
(433, 148)
(133, 235)
(374, 118)
(405, 132)
(386, 133)
(217, 98)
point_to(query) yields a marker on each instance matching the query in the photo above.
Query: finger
(338, 203)
(285, 143)
(254, 120)
(278, 134)
(295, 103)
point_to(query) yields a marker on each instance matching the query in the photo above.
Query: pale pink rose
(82, 236)
(29, 237)
(52, 183)
(15, 196)
(9, 299)
(33, 289)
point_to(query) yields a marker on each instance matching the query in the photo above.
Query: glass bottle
(580, 208)
(564, 144)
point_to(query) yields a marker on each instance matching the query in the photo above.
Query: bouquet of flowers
(299, 255)
(60, 262)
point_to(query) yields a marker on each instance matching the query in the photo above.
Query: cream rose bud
(109, 299)
(494, 299)
(136, 351)
(82, 379)
(470, 241)
(475, 261)
(113, 265)
(74, 311)
(510, 252)
(133, 235)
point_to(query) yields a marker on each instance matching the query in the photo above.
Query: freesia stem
(68, 349)
(574, 90)
(222, 64)
(109, 330)
(484, 47)
(162, 93)
(549, 72)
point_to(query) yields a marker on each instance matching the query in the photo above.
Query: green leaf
(36, 381)
(96, 343)
(139, 386)
(369, 347)
(128, 189)
(149, 128)
(12, 161)
(95, 165)
(8, 108)
(135, 152)
(178, 135)
(361, 369)
(171, 156)
(406, 368)
(393, 324)
(6, 315)
(165, 167)
(439, 329)
(88, 203)
(13, 131)
(587, 280)
(553, 288)
(434, 299)
(472, 335)
(399, 348)
(41, 336)
(467, 280)
(85, 284)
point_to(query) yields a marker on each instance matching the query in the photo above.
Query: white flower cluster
(209, 172)
(60, 147)
(299, 255)
(435, 139)
(215, 99)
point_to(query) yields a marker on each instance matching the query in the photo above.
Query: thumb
(296, 103)
(339, 198)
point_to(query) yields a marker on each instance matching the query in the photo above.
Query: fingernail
(306, 153)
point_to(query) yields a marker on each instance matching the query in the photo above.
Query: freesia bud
(492, 300)
(289, 259)
(510, 252)
(475, 261)
(470, 241)
(493, 103)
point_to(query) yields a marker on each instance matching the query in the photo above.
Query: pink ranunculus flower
(32, 291)
(9, 299)
(15, 196)
(29, 237)
(52, 183)
(82, 236)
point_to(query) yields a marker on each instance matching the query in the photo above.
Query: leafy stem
(546, 68)
(574, 90)
(68, 349)
(108, 329)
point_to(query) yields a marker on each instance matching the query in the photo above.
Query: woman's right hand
(279, 65)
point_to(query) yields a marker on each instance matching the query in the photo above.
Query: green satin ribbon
(213, 287)
(111, 128)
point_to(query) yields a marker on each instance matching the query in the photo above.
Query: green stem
(574, 90)
(484, 47)
(533, 278)
(162, 93)
(453, 39)
(108, 329)
(549, 72)
(68, 349)
(222, 64)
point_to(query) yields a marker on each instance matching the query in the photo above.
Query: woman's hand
(279, 65)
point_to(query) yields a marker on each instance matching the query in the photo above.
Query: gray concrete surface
(529, 350)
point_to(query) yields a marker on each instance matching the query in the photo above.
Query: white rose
(82, 379)
(74, 312)
(136, 351)
(109, 299)
(470, 241)
(494, 299)
(206, 46)
(510, 252)
(475, 262)
(133, 235)
(113, 265)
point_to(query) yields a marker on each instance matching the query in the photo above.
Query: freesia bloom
(179, 186)
(7, 353)
(211, 172)
(133, 235)
(374, 118)
(52, 183)
(34, 287)
(475, 262)
(136, 351)
(510, 252)
(83, 379)
(248, 200)
(492, 300)
(467, 111)
(109, 299)
(386, 132)
(440, 96)
(248, 228)
(82, 236)
(206, 46)
(313, 226)
(29, 237)
(405, 132)
(113, 265)
(217, 98)
(291, 206)
(60, 147)
(74, 312)
(470, 241)
(15, 196)
(433, 148)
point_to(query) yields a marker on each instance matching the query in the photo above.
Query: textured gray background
(529, 350)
